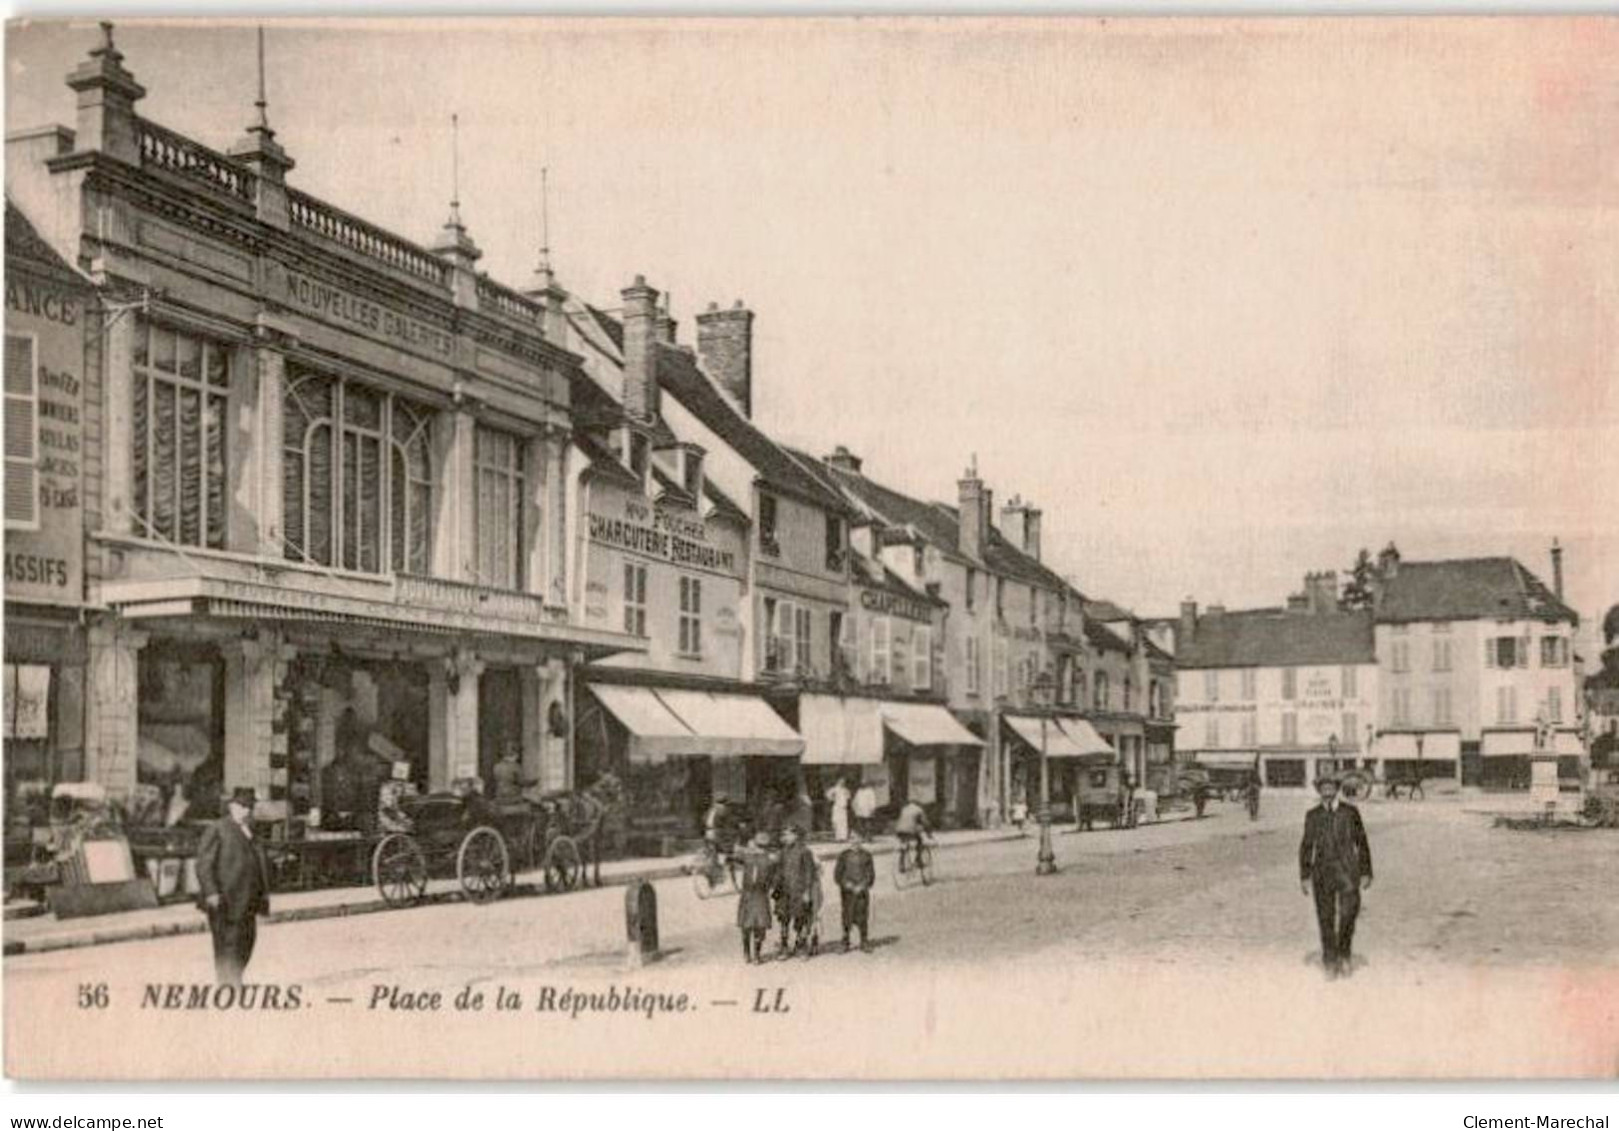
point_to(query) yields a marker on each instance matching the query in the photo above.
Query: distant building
(1290, 691)
(1476, 669)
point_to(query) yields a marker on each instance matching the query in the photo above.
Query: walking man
(855, 874)
(233, 874)
(839, 796)
(1335, 860)
(798, 878)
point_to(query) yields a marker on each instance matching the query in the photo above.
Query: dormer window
(640, 454)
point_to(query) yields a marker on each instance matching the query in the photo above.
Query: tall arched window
(357, 476)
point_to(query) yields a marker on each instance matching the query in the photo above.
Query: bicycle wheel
(924, 864)
(904, 874)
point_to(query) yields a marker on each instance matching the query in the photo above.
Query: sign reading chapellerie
(333, 303)
(659, 534)
(884, 601)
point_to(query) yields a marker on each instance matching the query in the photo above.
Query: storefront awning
(1058, 742)
(839, 731)
(1507, 743)
(1567, 744)
(1086, 737)
(656, 732)
(1441, 745)
(734, 726)
(926, 724)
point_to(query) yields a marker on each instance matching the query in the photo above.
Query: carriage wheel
(483, 865)
(563, 865)
(399, 870)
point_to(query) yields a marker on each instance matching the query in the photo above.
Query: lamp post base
(1046, 865)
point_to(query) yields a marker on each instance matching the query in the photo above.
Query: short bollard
(641, 923)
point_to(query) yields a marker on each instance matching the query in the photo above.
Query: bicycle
(913, 862)
(715, 871)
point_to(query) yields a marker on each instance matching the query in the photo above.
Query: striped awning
(665, 723)
(926, 724)
(840, 731)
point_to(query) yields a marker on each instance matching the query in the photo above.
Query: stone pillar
(118, 433)
(535, 725)
(112, 722)
(453, 719)
(558, 518)
(556, 756)
(250, 713)
(257, 388)
(455, 537)
(538, 516)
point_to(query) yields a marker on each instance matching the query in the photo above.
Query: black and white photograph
(811, 549)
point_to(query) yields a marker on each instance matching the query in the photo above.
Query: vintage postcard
(811, 548)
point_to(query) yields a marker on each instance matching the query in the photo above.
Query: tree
(1358, 593)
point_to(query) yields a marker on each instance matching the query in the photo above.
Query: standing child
(757, 882)
(855, 874)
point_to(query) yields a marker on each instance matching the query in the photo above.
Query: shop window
(691, 616)
(357, 476)
(180, 768)
(634, 599)
(22, 432)
(922, 659)
(181, 388)
(502, 499)
(1285, 773)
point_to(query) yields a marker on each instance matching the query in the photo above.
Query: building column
(118, 432)
(453, 719)
(555, 533)
(112, 719)
(548, 758)
(455, 529)
(256, 451)
(250, 738)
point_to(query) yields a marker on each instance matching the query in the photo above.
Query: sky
(1227, 300)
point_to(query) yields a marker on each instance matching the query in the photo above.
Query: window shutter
(22, 431)
(1489, 652)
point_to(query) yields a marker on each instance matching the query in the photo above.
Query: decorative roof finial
(545, 220)
(455, 171)
(262, 103)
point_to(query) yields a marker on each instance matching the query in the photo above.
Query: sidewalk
(42, 933)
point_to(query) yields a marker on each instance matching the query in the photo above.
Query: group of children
(783, 886)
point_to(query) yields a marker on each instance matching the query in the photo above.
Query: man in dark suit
(855, 875)
(233, 874)
(1335, 860)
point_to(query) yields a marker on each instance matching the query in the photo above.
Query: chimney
(107, 96)
(1557, 569)
(1388, 562)
(725, 345)
(666, 324)
(640, 351)
(976, 504)
(844, 460)
(1188, 623)
(1021, 522)
(1320, 592)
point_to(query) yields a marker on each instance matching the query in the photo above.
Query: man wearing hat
(233, 874)
(757, 881)
(800, 879)
(1335, 861)
(855, 875)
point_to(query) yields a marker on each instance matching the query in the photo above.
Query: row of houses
(1462, 670)
(286, 489)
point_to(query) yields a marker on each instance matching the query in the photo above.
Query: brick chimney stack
(1020, 521)
(725, 347)
(844, 460)
(667, 326)
(977, 503)
(640, 351)
(1388, 562)
(1557, 569)
(1187, 629)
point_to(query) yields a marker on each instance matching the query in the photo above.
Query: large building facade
(323, 478)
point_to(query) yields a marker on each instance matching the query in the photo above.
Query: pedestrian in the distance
(855, 874)
(838, 797)
(1335, 862)
(757, 882)
(233, 878)
(865, 808)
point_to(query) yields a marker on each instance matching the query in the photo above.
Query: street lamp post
(1042, 689)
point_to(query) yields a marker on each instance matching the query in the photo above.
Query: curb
(520, 890)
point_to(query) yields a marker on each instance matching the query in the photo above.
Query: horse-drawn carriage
(476, 840)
